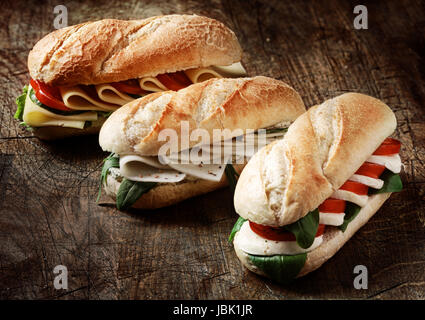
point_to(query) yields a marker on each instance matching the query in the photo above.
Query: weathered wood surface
(48, 214)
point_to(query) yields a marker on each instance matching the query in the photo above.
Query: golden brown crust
(244, 103)
(114, 50)
(168, 194)
(322, 149)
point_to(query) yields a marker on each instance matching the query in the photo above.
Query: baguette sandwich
(231, 112)
(302, 197)
(82, 73)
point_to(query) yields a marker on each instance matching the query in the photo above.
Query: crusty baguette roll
(115, 50)
(244, 103)
(333, 239)
(163, 195)
(321, 150)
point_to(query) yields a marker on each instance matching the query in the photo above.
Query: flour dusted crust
(333, 239)
(322, 149)
(114, 50)
(243, 103)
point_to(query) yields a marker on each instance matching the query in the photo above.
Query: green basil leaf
(351, 211)
(280, 268)
(112, 161)
(231, 175)
(392, 183)
(129, 191)
(305, 229)
(236, 228)
(20, 102)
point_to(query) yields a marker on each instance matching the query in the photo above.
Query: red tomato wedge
(50, 96)
(356, 187)
(389, 146)
(131, 86)
(372, 170)
(278, 234)
(174, 81)
(332, 206)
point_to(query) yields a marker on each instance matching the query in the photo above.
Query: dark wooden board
(48, 214)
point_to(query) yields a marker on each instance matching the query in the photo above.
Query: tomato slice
(131, 86)
(278, 234)
(50, 96)
(389, 146)
(332, 206)
(372, 170)
(174, 81)
(356, 187)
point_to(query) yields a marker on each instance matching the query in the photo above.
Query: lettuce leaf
(280, 268)
(351, 211)
(20, 102)
(236, 228)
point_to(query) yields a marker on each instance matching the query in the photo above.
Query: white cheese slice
(36, 116)
(149, 160)
(368, 181)
(392, 162)
(77, 99)
(197, 75)
(108, 93)
(152, 84)
(331, 219)
(360, 200)
(135, 170)
(212, 172)
(235, 70)
(252, 243)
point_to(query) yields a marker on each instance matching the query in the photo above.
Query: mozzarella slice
(252, 243)
(77, 99)
(212, 172)
(109, 94)
(36, 116)
(331, 219)
(152, 84)
(135, 169)
(392, 162)
(360, 200)
(368, 181)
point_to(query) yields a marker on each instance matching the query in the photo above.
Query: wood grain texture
(48, 214)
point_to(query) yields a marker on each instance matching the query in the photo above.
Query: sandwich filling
(82, 106)
(142, 173)
(280, 252)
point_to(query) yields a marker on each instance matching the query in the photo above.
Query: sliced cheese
(212, 172)
(360, 200)
(197, 75)
(392, 162)
(368, 181)
(77, 99)
(235, 70)
(132, 168)
(152, 84)
(331, 219)
(151, 161)
(36, 116)
(252, 243)
(109, 94)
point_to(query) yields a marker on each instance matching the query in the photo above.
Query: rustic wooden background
(48, 214)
